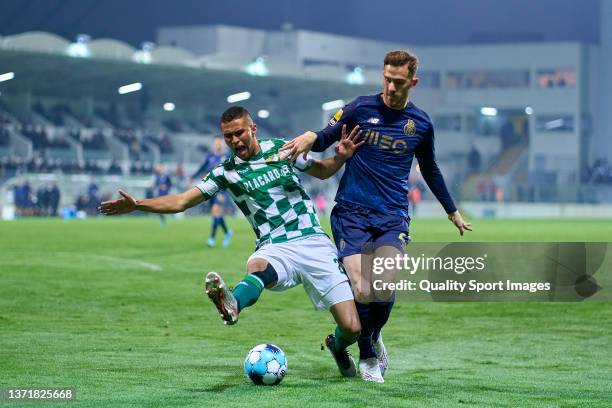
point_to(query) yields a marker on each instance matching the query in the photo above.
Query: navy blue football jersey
(377, 175)
(163, 183)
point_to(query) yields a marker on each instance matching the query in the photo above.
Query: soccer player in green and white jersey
(291, 245)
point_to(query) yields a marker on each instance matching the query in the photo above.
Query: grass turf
(114, 308)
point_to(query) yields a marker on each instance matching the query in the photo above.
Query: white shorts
(313, 262)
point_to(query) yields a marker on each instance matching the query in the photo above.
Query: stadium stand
(78, 125)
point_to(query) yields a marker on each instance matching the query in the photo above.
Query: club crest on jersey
(410, 128)
(336, 118)
(404, 238)
(274, 158)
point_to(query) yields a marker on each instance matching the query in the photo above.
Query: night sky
(408, 22)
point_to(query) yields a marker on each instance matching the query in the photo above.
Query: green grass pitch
(114, 307)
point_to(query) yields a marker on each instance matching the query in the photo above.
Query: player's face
(396, 86)
(240, 137)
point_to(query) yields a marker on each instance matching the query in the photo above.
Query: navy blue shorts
(359, 229)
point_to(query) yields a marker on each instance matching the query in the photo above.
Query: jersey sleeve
(333, 131)
(303, 164)
(212, 182)
(300, 163)
(426, 155)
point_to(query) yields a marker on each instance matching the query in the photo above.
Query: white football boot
(381, 354)
(370, 370)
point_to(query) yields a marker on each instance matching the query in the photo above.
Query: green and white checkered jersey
(268, 191)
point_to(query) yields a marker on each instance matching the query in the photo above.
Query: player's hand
(461, 225)
(347, 146)
(126, 204)
(300, 145)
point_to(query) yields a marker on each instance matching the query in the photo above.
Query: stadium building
(515, 122)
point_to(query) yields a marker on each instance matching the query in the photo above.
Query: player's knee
(256, 264)
(383, 296)
(264, 271)
(354, 327)
(350, 326)
(362, 293)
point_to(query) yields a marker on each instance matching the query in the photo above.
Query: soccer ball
(265, 364)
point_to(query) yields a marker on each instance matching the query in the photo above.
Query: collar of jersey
(258, 156)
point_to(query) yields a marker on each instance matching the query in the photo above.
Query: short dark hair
(233, 113)
(398, 58)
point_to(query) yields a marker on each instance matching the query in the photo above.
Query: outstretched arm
(173, 203)
(326, 168)
(433, 177)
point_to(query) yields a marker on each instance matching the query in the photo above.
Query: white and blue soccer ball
(265, 364)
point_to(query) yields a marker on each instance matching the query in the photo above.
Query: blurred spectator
(164, 142)
(499, 195)
(36, 134)
(136, 168)
(600, 172)
(114, 168)
(492, 190)
(482, 189)
(474, 160)
(81, 203)
(18, 198)
(321, 204)
(163, 182)
(91, 141)
(132, 139)
(93, 198)
(92, 167)
(414, 198)
(182, 181)
(42, 201)
(54, 199)
(23, 199)
(139, 168)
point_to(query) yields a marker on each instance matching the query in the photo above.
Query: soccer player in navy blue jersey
(371, 218)
(214, 158)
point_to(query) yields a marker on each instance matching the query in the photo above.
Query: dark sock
(366, 350)
(380, 312)
(214, 227)
(343, 340)
(222, 224)
(268, 277)
(247, 291)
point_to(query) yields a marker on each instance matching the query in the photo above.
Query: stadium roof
(55, 75)
(433, 22)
